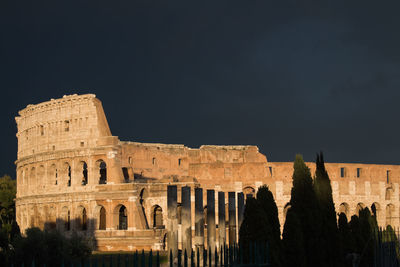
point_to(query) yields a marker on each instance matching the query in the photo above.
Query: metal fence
(386, 249)
(254, 255)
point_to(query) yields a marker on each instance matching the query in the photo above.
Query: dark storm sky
(291, 77)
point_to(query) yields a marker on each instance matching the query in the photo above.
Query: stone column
(232, 217)
(199, 220)
(221, 218)
(186, 213)
(211, 222)
(172, 230)
(240, 209)
(93, 172)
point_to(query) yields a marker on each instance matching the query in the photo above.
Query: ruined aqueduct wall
(74, 175)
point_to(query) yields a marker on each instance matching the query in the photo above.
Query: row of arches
(58, 174)
(79, 220)
(376, 210)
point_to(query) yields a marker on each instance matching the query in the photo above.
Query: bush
(49, 248)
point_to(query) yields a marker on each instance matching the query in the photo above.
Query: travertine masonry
(74, 175)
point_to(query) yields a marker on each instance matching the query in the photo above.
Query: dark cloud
(289, 76)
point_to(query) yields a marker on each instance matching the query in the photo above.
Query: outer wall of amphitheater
(74, 175)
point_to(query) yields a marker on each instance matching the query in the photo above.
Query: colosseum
(74, 175)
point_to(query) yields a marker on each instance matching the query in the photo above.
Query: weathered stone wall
(72, 171)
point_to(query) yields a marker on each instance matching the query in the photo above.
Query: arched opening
(375, 209)
(344, 208)
(68, 221)
(359, 207)
(40, 176)
(67, 171)
(157, 217)
(389, 193)
(84, 174)
(390, 215)
(142, 199)
(249, 192)
(122, 218)
(81, 219)
(102, 218)
(285, 210)
(102, 167)
(32, 177)
(53, 174)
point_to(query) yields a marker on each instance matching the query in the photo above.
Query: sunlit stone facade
(74, 175)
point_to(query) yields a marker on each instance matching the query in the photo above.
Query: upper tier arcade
(71, 122)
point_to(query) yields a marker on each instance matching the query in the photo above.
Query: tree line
(312, 235)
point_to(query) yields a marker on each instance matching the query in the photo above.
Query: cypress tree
(329, 241)
(254, 228)
(293, 242)
(267, 203)
(346, 239)
(305, 206)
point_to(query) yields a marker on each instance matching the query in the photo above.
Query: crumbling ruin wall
(71, 169)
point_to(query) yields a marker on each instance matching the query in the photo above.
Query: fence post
(179, 258)
(185, 259)
(191, 258)
(136, 259)
(158, 259)
(143, 259)
(171, 258)
(198, 257)
(151, 258)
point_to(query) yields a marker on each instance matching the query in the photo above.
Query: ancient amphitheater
(74, 175)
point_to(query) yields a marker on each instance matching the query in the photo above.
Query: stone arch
(390, 214)
(285, 209)
(101, 215)
(65, 223)
(157, 216)
(376, 210)
(102, 171)
(389, 193)
(142, 200)
(83, 172)
(32, 177)
(41, 176)
(249, 191)
(81, 218)
(67, 173)
(121, 217)
(344, 208)
(359, 207)
(53, 175)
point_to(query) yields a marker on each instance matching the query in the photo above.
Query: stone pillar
(186, 213)
(240, 209)
(199, 219)
(221, 218)
(93, 172)
(172, 230)
(232, 217)
(211, 223)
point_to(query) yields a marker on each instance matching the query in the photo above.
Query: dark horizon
(288, 77)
